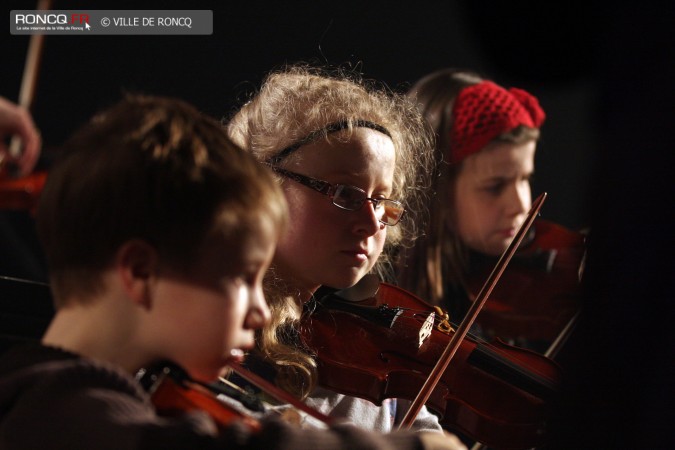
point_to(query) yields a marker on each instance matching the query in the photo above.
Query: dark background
(397, 44)
(602, 71)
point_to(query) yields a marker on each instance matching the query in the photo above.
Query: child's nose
(368, 221)
(259, 313)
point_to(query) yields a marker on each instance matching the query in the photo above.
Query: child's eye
(494, 189)
(251, 277)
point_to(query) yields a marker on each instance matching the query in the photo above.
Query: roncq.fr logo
(51, 19)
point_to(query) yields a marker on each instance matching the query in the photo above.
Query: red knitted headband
(485, 110)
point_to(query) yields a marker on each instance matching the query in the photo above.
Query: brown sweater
(51, 399)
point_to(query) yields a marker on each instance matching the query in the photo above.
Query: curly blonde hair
(298, 102)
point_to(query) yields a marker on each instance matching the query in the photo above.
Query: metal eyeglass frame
(333, 191)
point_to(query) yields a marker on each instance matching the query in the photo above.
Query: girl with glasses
(351, 158)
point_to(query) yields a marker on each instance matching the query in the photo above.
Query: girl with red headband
(486, 142)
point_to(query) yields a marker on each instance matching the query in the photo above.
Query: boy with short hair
(157, 232)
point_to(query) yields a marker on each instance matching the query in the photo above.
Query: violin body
(22, 193)
(539, 292)
(376, 349)
(174, 394)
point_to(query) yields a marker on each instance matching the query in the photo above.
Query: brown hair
(440, 258)
(148, 168)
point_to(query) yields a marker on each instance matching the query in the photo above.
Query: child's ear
(136, 264)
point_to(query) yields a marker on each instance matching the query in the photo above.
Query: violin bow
(32, 64)
(456, 340)
(30, 74)
(277, 393)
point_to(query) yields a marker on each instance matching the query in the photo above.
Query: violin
(173, 392)
(22, 193)
(497, 394)
(385, 345)
(539, 292)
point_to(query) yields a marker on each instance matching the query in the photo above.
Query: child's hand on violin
(16, 121)
(441, 441)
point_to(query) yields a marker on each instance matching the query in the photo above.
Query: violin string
(497, 352)
(519, 374)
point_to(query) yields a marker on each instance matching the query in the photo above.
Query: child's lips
(357, 253)
(237, 355)
(509, 231)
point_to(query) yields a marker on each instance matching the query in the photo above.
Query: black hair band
(330, 128)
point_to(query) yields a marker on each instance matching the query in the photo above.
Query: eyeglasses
(351, 198)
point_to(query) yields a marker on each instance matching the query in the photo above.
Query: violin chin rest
(366, 288)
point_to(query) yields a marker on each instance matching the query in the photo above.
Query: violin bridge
(444, 321)
(425, 330)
